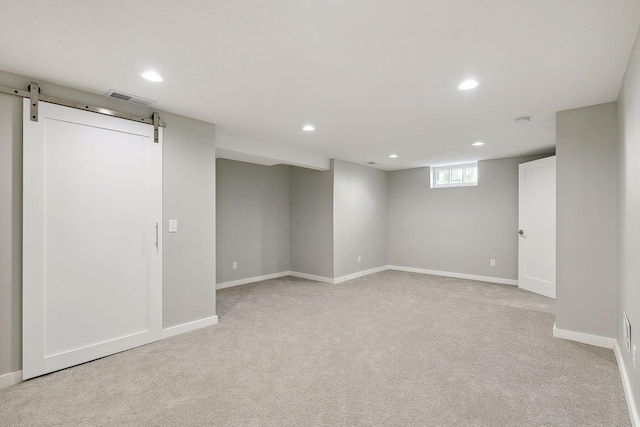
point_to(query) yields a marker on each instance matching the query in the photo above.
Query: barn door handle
(157, 238)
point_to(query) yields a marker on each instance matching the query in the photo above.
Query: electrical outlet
(492, 263)
(359, 258)
(235, 265)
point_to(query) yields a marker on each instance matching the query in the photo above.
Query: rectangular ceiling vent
(129, 98)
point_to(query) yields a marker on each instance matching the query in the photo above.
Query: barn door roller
(33, 93)
(34, 90)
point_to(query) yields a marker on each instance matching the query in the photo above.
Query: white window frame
(435, 169)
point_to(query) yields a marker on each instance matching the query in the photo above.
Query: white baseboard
(251, 280)
(311, 277)
(456, 275)
(10, 379)
(626, 384)
(360, 274)
(597, 340)
(190, 326)
(301, 275)
(365, 273)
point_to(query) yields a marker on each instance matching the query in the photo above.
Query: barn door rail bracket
(33, 93)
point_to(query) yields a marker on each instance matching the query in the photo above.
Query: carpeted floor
(389, 349)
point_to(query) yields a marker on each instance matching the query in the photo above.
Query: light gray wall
(587, 197)
(252, 219)
(189, 197)
(311, 221)
(10, 233)
(360, 209)
(457, 229)
(629, 214)
(263, 211)
(189, 188)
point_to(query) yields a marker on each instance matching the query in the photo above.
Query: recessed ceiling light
(393, 156)
(468, 84)
(152, 76)
(308, 128)
(522, 120)
(477, 144)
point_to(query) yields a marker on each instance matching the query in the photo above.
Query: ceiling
(375, 77)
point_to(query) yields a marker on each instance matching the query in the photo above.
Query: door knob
(521, 232)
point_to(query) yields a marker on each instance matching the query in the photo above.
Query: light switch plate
(173, 226)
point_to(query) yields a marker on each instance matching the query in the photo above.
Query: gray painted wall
(272, 219)
(189, 197)
(10, 233)
(587, 197)
(252, 219)
(629, 214)
(457, 229)
(311, 221)
(361, 217)
(189, 188)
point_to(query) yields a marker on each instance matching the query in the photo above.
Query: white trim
(10, 379)
(360, 274)
(251, 280)
(626, 384)
(456, 275)
(189, 326)
(303, 276)
(311, 277)
(597, 340)
(365, 273)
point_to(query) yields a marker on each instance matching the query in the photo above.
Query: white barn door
(92, 260)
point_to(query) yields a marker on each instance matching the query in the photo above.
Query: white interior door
(537, 234)
(92, 261)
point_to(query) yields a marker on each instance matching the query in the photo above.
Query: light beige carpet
(389, 349)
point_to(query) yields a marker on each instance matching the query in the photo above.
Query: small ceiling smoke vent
(129, 98)
(371, 163)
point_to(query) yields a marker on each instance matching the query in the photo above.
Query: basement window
(454, 176)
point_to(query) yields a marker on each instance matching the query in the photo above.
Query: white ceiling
(374, 76)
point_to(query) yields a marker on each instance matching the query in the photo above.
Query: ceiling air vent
(129, 98)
